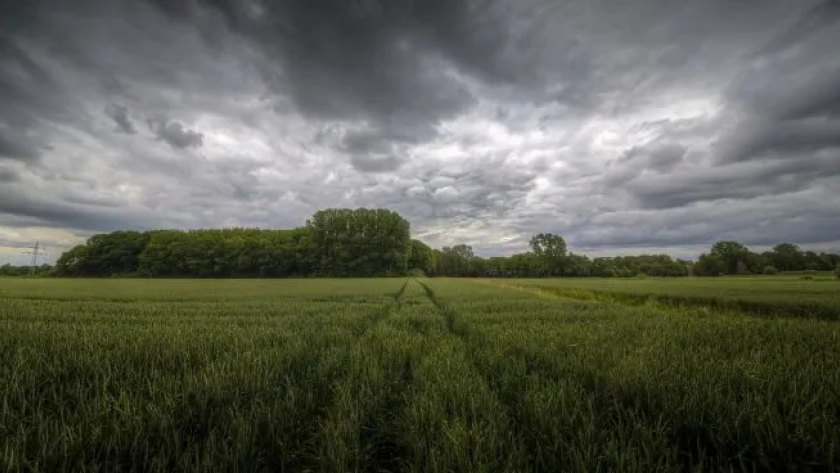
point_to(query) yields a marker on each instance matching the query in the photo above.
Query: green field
(419, 375)
(792, 296)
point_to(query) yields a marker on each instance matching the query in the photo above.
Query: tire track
(669, 302)
(355, 430)
(472, 340)
(449, 315)
(392, 305)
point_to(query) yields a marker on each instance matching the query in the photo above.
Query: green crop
(412, 375)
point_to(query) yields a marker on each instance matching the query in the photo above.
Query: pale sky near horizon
(626, 127)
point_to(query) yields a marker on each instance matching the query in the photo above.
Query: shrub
(770, 270)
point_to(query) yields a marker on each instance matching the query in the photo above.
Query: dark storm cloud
(24, 94)
(175, 133)
(46, 212)
(789, 101)
(734, 182)
(365, 142)
(356, 59)
(119, 113)
(8, 175)
(399, 65)
(372, 151)
(661, 157)
(28, 91)
(375, 163)
(778, 133)
(777, 220)
(616, 124)
(16, 148)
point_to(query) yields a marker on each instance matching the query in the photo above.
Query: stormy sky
(626, 127)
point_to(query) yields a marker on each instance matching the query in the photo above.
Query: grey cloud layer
(618, 125)
(119, 113)
(174, 133)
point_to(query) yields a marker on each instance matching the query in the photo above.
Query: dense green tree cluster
(730, 257)
(421, 258)
(200, 253)
(335, 242)
(360, 242)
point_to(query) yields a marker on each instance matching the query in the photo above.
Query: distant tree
(421, 258)
(104, 254)
(602, 267)
(73, 262)
(455, 260)
(832, 259)
(577, 266)
(550, 249)
(787, 257)
(9, 270)
(731, 253)
(360, 241)
(547, 245)
(754, 263)
(770, 270)
(815, 262)
(522, 265)
(709, 265)
(463, 251)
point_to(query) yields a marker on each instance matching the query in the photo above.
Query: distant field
(762, 295)
(416, 375)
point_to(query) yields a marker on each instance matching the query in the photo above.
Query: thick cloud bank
(623, 126)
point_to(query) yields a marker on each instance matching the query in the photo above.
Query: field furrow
(791, 298)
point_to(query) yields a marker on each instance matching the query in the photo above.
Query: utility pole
(35, 251)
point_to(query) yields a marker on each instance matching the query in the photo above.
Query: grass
(757, 295)
(406, 375)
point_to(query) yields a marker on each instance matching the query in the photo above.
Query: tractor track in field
(394, 304)
(470, 339)
(448, 314)
(669, 302)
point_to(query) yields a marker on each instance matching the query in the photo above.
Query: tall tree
(550, 249)
(360, 241)
(787, 257)
(709, 265)
(463, 251)
(421, 257)
(731, 253)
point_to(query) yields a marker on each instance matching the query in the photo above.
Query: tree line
(731, 257)
(550, 258)
(13, 270)
(334, 242)
(377, 242)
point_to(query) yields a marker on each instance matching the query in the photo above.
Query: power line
(35, 251)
